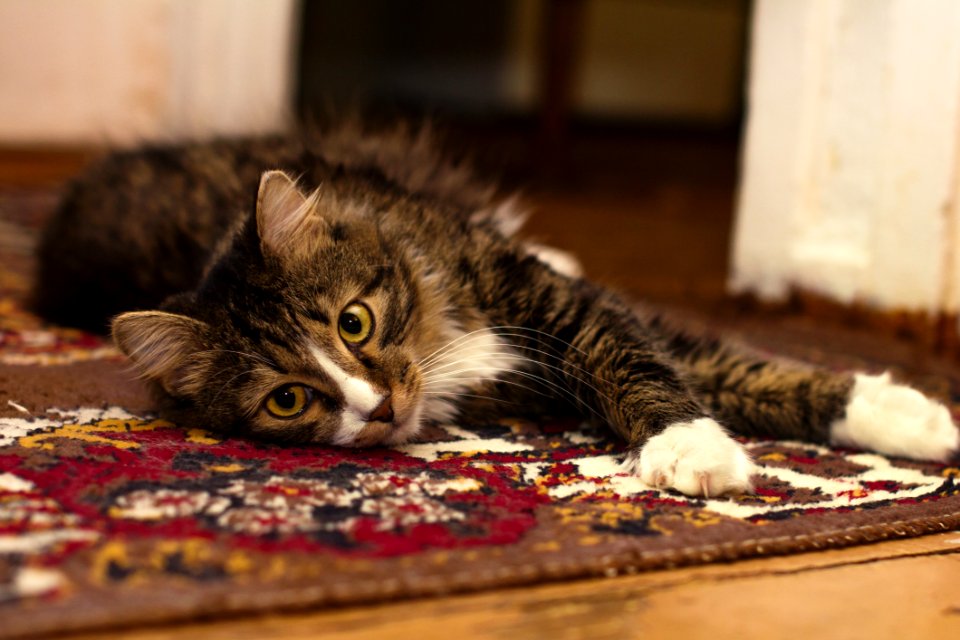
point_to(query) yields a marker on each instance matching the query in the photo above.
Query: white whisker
(454, 394)
(556, 357)
(446, 366)
(430, 375)
(527, 375)
(539, 333)
(429, 358)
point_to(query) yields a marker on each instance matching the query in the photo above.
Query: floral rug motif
(111, 516)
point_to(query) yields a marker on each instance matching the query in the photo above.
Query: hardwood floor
(899, 589)
(651, 216)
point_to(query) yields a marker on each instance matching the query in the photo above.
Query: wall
(678, 60)
(120, 71)
(849, 177)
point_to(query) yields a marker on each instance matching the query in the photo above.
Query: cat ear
(283, 212)
(163, 347)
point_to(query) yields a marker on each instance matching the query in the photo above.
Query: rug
(111, 516)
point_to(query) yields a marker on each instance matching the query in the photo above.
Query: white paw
(895, 420)
(697, 458)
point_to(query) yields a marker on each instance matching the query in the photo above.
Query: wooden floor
(650, 216)
(901, 589)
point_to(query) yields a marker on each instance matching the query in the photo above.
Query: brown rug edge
(174, 608)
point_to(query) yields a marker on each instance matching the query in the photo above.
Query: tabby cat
(348, 287)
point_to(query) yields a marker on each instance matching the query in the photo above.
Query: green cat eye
(288, 401)
(355, 323)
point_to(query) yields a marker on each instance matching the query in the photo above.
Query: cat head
(306, 326)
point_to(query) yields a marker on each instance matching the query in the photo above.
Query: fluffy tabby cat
(346, 288)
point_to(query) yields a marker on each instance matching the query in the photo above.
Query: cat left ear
(163, 347)
(284, 213)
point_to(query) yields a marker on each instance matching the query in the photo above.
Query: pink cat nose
(383, 412)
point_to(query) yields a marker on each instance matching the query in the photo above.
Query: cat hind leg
(782, 400)
(896, 420)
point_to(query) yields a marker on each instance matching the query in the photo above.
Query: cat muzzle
(383, 412)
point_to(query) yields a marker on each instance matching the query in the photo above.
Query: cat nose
(383, 412)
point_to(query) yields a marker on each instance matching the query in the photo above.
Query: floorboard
(898, 589)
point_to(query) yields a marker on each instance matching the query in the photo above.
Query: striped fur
(467, 318)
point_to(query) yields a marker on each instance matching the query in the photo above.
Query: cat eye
(288, 401)
(355, 323)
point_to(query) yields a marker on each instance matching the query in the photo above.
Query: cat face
(306, 328)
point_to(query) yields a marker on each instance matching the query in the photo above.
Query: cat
(348, 287)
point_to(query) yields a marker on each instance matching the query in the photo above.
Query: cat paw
(895, 420)
(697, 458)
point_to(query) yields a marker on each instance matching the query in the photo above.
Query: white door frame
(850, 162)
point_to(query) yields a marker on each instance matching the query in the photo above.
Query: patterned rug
(110, 516)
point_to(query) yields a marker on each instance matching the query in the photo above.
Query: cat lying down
(346, 288)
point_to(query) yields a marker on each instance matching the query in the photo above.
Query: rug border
(245, 601)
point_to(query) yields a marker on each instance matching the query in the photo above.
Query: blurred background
(624, 61)
(618, 119)
(165, 66)
(691, 152)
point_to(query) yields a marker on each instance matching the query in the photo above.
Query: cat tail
(756, 396)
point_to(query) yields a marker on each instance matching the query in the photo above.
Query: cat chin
(374, 434)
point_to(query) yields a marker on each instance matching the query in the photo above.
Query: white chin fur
(697, 458)
(895, 420)
(351, 426)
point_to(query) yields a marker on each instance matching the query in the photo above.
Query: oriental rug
(112, 516)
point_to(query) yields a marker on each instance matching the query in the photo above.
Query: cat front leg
(597, 353)
(674, 442)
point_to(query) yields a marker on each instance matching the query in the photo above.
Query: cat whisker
(454, 394)
(427, 372)
(550, 355)
(540, 333)
(577, 401)
(460, 342)
(537, 362)
(514, 356)
(432, 356)
(512, 383)
(530, 376)
(511, 331)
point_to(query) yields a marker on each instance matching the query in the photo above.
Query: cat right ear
(163, 347)
(284, 213)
